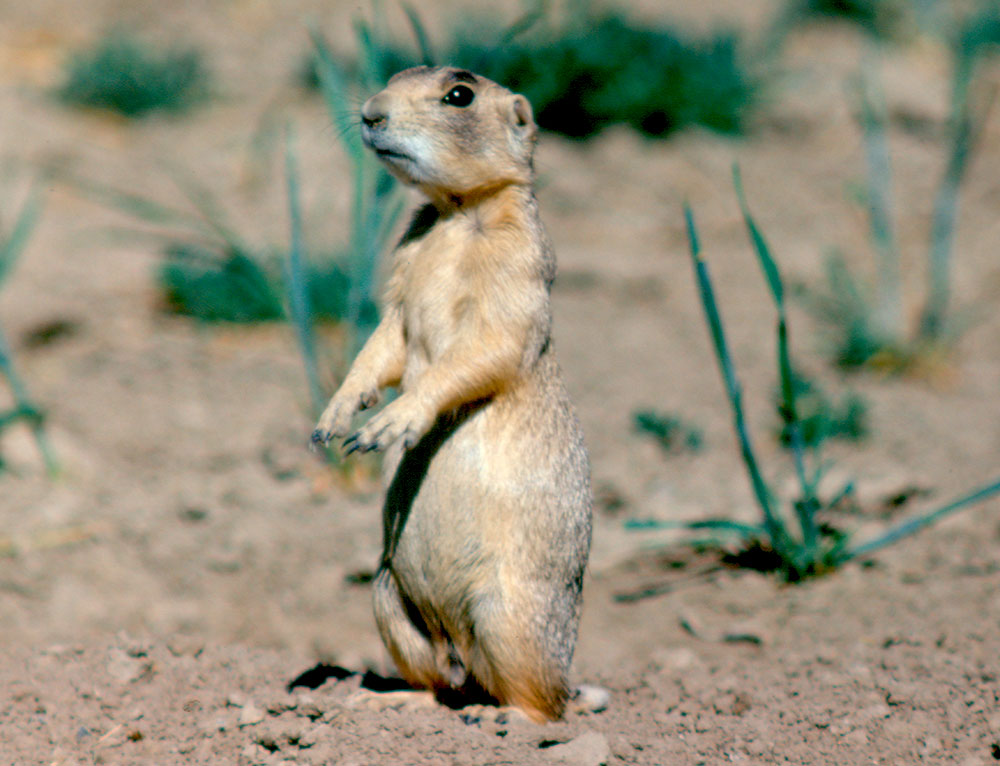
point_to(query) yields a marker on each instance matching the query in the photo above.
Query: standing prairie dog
(487, 518)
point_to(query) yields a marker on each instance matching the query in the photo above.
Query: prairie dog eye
(460, 95)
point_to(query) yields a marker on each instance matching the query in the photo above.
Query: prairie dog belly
(498, 490)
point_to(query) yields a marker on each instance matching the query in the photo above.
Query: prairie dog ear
(521, 116)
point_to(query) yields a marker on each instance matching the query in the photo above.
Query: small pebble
(250, 715)
(588, 698)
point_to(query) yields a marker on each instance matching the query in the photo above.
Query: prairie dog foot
(494, 714)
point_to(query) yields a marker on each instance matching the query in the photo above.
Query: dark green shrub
(879, 17)
(586, 77)
(232, 285)
(213, 287)
(125, 75)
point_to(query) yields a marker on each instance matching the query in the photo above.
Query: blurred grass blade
(143, 208)
(367, 248)
(371, 54)
(14, 243)
(524, 22)
(965, 133)
(772, 522)
(887, 311)
(10, 249)
(767, 263)
(297, 280)
(393, 210)
(206, 206)
(914, 525)
(20, 412)
(420, 34)
(773, 277)
(374, 212)
(371, 185)
(746, 531)
(26, 408)
(337, 96)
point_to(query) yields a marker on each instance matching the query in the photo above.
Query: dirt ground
(193, 558)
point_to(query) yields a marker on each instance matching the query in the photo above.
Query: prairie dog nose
(375, 111)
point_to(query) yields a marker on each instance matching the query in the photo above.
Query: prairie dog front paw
(336, 418)
(403, 420)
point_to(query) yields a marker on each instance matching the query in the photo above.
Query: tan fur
(488, 508)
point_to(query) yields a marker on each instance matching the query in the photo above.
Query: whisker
(339, 128)
(343, 130)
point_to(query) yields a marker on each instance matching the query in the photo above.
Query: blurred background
(191, 240)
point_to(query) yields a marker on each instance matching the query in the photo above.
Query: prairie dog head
(450, 132)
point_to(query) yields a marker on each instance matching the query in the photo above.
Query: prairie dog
(487, 517)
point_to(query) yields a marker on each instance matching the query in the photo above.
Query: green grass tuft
(125, 75)
(671, 432)
(212, 273)
(607, 70)
(793, 537)
(224, 284)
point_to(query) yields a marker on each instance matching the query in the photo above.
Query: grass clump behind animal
(225, 285)
(123, 74)
(594, 69)
(220, 283)
(213, 273)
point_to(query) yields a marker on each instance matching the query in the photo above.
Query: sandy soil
(194, 558)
